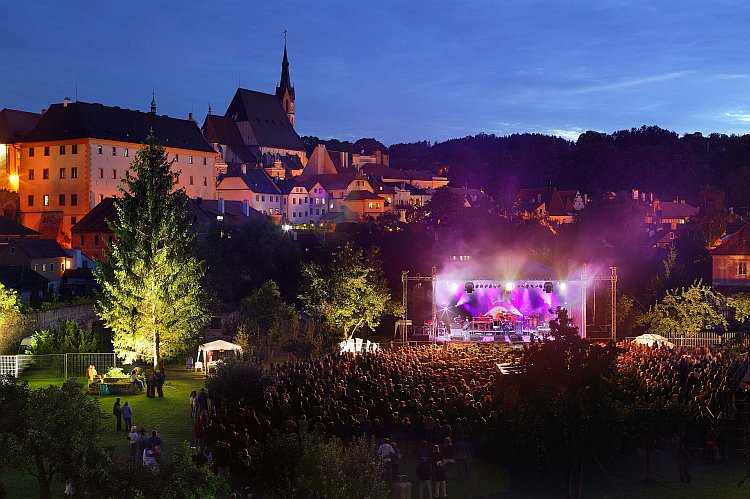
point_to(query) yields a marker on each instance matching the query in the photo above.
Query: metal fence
(708, 339)
(69, 365)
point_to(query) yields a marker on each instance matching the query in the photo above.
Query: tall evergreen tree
(151, 297)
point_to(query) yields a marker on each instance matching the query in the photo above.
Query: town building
(418, 178)
(44, 256)
(730, 262)
(548, 203)
(13, 126)
(78, 153)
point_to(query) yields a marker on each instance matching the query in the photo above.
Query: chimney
(199, 201)
(66, 101)
(378, 156)
(538, 198)
(651, 197)
(190, 117)
(635, 194)
(585, 199)
(244, 169)
(221, 205)
(246, 207)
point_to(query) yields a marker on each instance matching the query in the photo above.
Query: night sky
(397, 71)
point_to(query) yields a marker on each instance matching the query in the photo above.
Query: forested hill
(648, 158)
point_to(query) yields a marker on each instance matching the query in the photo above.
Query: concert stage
(493, 310)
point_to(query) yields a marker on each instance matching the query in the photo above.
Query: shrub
(68, 337)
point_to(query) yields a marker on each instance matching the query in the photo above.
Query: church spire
(285, 90)
(153, 102)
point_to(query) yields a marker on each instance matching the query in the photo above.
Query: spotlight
(562, 286)
(469, 287)
(509, 286)
(547, 287)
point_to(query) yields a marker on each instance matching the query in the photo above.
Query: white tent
(652, 340)
(215, 351)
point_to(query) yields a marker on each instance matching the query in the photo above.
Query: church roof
(266, 117)
(15, 124)
(78, 120)
(224, 131)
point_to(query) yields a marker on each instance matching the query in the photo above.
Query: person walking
(127, 414)
(133, 439)
(117, 412)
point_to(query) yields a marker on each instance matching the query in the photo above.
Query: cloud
(730, 76)
(633, 82)
(742, 117)
(571, 134)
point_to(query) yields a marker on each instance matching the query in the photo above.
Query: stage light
(454, 287)
(547, 287)
(469, 287)
(562, 286)
(508, 286)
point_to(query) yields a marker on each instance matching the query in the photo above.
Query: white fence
(69, 365)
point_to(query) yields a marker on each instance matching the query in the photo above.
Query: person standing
(386, 453)
(440, 490)
(424, 474)
(133, 439)
(149, 378)
(159, 380)
(117, 412)
(127, 414)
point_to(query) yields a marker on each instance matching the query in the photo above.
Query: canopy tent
(212, 352)
(653, 340)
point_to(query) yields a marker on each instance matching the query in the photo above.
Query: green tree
(150, 296)
(685, 312)
(68, 337)
(267, 321)
(10, 308)
(349, 291)
(238, 381)
(52, 432)
(740, 302)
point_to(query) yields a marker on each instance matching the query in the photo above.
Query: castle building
(78, 153)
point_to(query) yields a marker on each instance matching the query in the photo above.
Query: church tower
(285, 90)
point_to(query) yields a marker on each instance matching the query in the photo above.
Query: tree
(68, 337)
(444, 206)
(267, 320)
(686, 312)
(238, 381)
(52, 432)
(150, 296)
(713, 217)
(564, 400)
(10, 307)
(740, 302)
(349, 290)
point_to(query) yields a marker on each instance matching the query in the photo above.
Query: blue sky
(398, 71)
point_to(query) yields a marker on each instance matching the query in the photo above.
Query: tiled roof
(332, 181)
(381, 170)
(80, 120)
(735, 244)
(21, 277)
(361, 195)
(96, 219)
(15, 124)
(674, 209)
(38, 248)
(256, 179)
(223, 130)
(266, 117)
(10, 228)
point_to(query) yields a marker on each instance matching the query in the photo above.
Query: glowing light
(286, 227)
(562, 286)
(508, 286)
(454, 287)
(13, 180)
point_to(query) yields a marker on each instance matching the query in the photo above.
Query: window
(83, 239)
(101, 197)
(62, 172)
(74, 172)
(99, 149)
(36, 268)
(257, 198)
(31, 152)
(126, 153)
(114, 173)
(74, 149)
(305, 199)
(191, 180)
(176, 158)
(73, 220)
(74, 200)
(190, 160)
(284, 201)
(31, 174)
(62, 150)
(46, 150)
(369, 205)
(12, 250)
(61, 200)
(101, 172)
(96, 240)
(45, 173)
(294, 200)
(31, 200)
(45, 200)
(742, 269)
(263, 198)
(114, 151)
(205, 181)
(204, 161)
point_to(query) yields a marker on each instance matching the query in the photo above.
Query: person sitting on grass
(135, 378)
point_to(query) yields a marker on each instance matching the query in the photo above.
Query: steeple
(153, 102)
(285, 90)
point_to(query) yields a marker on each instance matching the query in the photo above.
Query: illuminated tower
(285, 90)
